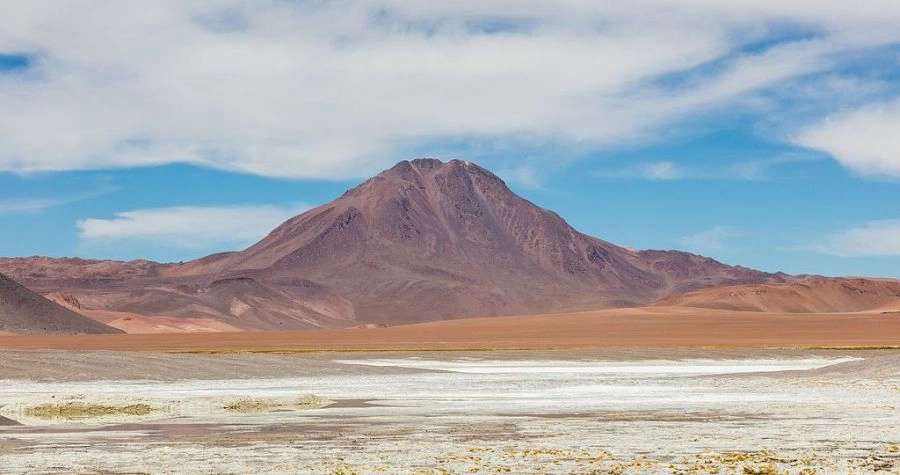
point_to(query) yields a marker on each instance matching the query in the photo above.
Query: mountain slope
(424, 240)
(814, 295)
(23, 311)
(429, 240)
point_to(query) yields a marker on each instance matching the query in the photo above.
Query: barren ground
(669, 390)
(618, 328)
(535, 411)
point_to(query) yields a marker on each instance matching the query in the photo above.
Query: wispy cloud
(866, 140)
(37, 205)
(340, 88)
(188, 227)
(667, 170)
(870, 239)
(28, 206)
(524, 175)
(712, 240)
(654, 171)
(662, 171)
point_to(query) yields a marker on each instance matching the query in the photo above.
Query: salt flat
(665, 411)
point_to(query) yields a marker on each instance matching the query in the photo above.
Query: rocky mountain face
(25, 312)
(424, 240)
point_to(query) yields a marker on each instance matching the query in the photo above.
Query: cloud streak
(712, 240)
(37, 205)
(28, 206)
(866, 139)
(880, 238)
(653, 171)
(339, 89)
(668, 170)
(188, 227)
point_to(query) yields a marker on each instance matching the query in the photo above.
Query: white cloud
(28, 206)
(188, 227)
(866, 140)
(711, 240)
(653, 171)
(667, 170)
(340, 88)
(874, 238)
(523, 175)
(661, 171)
(37, 205)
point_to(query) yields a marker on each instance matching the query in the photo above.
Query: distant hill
(813, 295)
(25, 312)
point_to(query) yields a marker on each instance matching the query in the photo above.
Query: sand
(804, 295)
(134, 323)
(565, 411)
(627, 391)
(618, 328)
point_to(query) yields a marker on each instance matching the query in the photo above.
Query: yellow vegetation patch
(748, 463)
(309, 401)
(769, 469)
(251, 405)
(74, 410)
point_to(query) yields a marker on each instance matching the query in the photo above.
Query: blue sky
(758, 133)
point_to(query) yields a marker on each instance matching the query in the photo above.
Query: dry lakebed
(538, 411)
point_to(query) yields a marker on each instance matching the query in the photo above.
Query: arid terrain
(432, 321)
(428, 241)
(615, 328)
(647, 390)
(810, 295)
(422, 241)
(574, 411)
(25, 312)
(354, 237)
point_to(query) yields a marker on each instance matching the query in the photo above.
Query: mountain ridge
(423, 240)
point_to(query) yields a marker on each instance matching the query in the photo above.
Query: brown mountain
(25, 312)
(424, 240)
(812, 295)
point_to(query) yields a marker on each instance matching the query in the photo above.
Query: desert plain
(616, 391)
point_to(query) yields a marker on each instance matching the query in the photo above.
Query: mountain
(25, 312)
(812, 295)
(424, 240)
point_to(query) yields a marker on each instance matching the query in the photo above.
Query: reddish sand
(812, 295)
(642, 327)
(136, 323)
